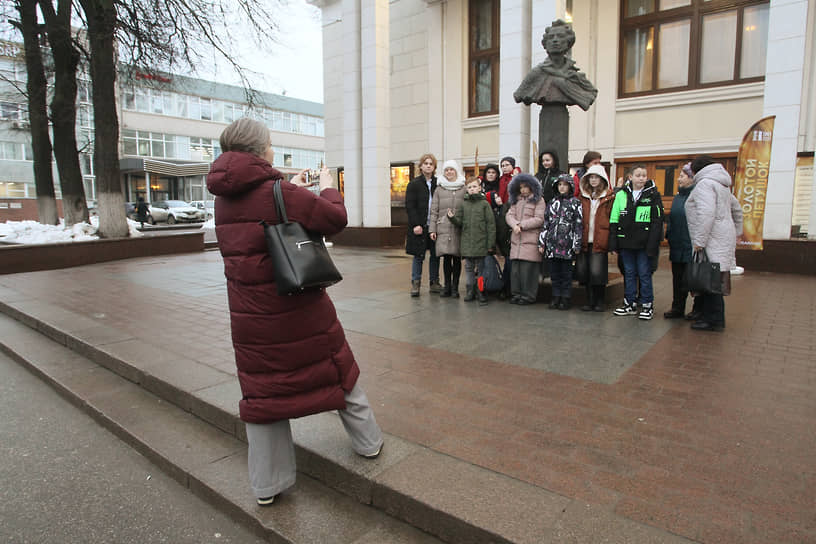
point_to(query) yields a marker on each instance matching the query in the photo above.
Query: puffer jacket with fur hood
(527, 212)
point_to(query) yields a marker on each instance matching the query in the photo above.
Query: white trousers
(272, 452)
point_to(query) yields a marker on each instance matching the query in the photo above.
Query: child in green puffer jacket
(478, 238)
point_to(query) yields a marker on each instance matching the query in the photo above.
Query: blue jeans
(433, 265)
(636, 267)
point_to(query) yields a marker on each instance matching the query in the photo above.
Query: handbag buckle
(304, 242)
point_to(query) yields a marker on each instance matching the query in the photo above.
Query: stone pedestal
(553, 132)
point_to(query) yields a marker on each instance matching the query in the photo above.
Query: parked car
(174, 211)
(208, 206)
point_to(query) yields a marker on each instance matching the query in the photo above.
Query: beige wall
(680, 129)
(487, 140)
(410, 33)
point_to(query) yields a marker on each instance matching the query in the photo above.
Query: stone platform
(504, 423)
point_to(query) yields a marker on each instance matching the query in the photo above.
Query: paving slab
(705, 436)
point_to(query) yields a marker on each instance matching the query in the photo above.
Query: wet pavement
(705, 435)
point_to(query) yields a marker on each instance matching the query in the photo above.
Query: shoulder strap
(280, 205)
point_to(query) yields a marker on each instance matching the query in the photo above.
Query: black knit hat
(511, 160)
(493, 167)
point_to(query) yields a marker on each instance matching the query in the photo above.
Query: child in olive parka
(476, 218)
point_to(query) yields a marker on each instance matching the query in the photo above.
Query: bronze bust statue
(557, 80)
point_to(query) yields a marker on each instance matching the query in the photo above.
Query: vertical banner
(751, 182)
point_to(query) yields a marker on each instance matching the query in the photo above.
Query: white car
(207, 206)
(174, 211)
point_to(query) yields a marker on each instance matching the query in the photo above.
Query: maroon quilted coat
(292, 356)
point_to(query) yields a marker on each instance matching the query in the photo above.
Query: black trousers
(713, 309)
(452, 269)
(561, 276)
(680, 292)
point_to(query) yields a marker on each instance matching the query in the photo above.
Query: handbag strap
(280, 205)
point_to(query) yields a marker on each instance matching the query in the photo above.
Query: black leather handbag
(703, 276)
(299, 257)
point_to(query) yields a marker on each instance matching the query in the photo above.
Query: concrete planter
(28, 258)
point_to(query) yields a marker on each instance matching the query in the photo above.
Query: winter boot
(554, 303)
(455, 288)
(435, 287)
(482, 297)
(564, 303)
(470, 293)
(598, 305)
(446, 291)
(590, 299)
(415, 288)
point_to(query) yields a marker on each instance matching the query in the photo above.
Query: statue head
(558, 38)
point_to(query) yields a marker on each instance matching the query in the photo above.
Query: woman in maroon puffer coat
(292, 356)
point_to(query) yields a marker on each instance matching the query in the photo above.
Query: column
(514, 64)
(352, 113)
(787, 35)
(435, 13)
(543, 13)
(375, 89)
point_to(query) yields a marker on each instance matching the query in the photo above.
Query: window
(674, 45)
(483, 49)
(13, 151)
(11, 111)
(10, 189)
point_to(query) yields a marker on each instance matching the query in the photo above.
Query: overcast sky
(296, 64)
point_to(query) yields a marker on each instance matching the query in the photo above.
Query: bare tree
(36, 92)
(63, 108)
(183, 34)
(152, 35)
(101, 21)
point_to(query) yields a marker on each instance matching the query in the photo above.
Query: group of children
(568, 223)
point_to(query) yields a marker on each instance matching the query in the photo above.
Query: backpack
(490, 276)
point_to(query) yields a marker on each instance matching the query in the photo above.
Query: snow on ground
(32, 232)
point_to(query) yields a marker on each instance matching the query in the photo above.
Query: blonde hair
(428, 156)
(246, 135)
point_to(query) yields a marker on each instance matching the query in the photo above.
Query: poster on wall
(751, 181)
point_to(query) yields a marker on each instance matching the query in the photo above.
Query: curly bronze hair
(558, 24)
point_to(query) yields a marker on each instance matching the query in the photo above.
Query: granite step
(209, 462)
(448, 498)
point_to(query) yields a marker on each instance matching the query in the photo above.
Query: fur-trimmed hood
(514, 189)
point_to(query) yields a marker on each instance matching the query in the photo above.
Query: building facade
(169, 130)
(676, 78)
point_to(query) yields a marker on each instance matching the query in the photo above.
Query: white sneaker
(266, 501)
(646, 311)
(626, 309)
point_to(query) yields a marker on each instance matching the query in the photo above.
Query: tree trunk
(101, 18)
(63, 110)
(36, 89)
